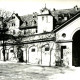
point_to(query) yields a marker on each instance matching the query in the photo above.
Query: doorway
(76, 49)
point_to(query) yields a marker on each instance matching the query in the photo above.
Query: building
(50, 39)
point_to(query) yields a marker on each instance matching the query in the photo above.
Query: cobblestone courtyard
(23, 71)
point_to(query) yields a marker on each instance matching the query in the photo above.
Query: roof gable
(17, 16)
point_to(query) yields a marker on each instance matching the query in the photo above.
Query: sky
(24, 7)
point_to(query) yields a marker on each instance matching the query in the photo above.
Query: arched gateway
(76, 49)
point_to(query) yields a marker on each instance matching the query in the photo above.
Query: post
(50, 58)
(3, 47)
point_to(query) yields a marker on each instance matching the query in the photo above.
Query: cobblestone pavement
(23, 71)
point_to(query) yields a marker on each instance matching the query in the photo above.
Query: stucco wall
(67, 53)
(69, 30)
(46, 24)
(40, 56)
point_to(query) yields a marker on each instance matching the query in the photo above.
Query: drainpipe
(50, 58)
(26, 54)
(41, 55)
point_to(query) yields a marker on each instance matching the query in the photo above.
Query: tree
(3, 29)
(19, 44)
(4, 15)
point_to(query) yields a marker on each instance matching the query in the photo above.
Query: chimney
(76, 8)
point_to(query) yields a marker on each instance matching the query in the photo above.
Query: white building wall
(67, 53)
(69, 30)
(24, 54)
(46, 24)
(16, 25)
(1, 54)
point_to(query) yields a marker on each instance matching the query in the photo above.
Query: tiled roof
(68, 21)
(56, 13)
(28, 19)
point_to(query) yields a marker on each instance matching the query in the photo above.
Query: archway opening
(76, 49)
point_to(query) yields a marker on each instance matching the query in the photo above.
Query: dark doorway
(62, 48)
(76, 49)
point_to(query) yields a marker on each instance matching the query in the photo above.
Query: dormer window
(24, 31)
(59, 18)
(33, 50)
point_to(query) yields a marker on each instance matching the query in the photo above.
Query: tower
(45, 21)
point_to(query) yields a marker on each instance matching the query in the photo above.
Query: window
(64, 35)
(36, 30)
(62, 48)
(47, 49)
(42, 17)
(13, 24)
(59, 18)
(46, 18)
(34, 22)
(13, 17)
(11, 51)
(33, 50)
(24, 31)
(13, 31)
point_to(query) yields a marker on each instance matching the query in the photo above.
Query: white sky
(23, 7)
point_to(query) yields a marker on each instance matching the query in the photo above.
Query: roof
(45, 11)
(18, 18)
(28, 21)
(10, 18)
(68, 21)
(69, 13)
(27, 27)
